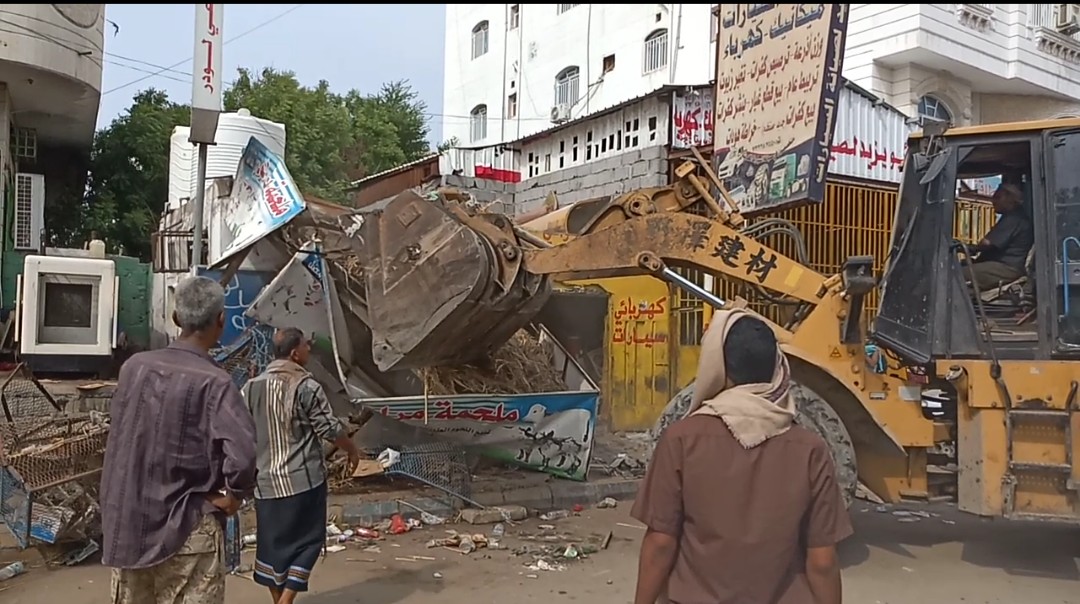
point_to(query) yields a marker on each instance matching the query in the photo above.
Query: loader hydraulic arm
(643, 231)
(645, 244)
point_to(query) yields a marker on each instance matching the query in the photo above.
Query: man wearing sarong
(739, 504)
(180, 458)
(292, 417)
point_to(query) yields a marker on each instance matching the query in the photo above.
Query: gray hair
(199, 301)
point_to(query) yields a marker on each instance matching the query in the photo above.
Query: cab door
(1062, 240)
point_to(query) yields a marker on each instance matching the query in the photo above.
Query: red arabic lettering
(693, 120)
(275, 201)
(443, 410)
(874, 153)
(211, 27)
(635, 324)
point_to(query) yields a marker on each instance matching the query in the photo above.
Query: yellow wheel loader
(939, 366)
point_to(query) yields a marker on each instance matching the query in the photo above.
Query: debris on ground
(607, 503)
(524, 365)
(555, 515)
(12, 570)
(494, 515)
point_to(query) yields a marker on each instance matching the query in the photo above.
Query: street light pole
(206, 84)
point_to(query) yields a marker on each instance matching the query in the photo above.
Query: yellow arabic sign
(777, 87)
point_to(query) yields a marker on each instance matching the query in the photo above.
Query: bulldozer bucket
(442, 287)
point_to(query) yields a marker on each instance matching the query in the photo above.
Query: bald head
(288, 343)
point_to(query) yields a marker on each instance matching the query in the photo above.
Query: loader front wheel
(814, 414)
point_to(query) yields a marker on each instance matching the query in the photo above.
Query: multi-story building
(50, 90)
(513, 70)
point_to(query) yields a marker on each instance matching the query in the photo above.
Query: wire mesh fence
(49, 464)
(443, 466)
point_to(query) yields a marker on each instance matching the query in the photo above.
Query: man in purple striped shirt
(180, 458)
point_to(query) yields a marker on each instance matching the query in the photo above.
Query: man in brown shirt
(180, 457)
(740, 505)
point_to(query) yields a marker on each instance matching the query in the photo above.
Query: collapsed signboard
(264, 198)
(777, 88)
(549, 432)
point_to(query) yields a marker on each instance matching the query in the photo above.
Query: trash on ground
(12, 570)
(607, 503)
(555, 515)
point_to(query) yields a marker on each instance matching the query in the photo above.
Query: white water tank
(233, 133)
(181, 159)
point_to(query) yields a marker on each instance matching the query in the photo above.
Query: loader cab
(927, 309)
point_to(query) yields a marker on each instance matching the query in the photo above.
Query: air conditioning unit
(1067, 21)
(560, 113)
(29, 219)
(66, 312)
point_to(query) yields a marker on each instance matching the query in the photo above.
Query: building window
(567, 86)
(656, 51)
(480, 39)
(478, 123)
(933, 108)
(511, 106)
(609, 64)
(562, 8)
(515, 16)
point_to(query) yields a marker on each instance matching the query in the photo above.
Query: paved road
(946, 559)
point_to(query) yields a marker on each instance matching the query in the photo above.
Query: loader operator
(1002, 252)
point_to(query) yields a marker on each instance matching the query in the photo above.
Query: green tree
(332, 140)
(317, 124)
(128, 181)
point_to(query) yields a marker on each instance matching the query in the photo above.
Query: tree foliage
(332, 140)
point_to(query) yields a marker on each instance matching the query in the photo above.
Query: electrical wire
(279, 16)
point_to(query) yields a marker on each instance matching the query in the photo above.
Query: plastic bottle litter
(555, 515)
(366, 533)
(498, 531)
(11, 570)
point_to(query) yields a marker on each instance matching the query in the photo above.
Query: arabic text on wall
(637, 323)
(692, 119)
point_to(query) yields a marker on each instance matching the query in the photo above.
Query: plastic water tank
(233, 133)
(96, 248)
(181, 165)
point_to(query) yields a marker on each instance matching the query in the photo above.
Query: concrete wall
(614, 175)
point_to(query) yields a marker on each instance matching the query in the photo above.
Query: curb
(559, 494)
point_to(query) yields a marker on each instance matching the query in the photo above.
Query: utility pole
(206, 84)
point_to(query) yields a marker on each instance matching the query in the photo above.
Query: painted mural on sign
(240, 292)
(298, 296)
(777, 88)
(551, 432)
(264, 198)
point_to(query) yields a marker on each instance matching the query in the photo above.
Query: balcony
(989, 48)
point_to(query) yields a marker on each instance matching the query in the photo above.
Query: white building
(513, 69)
(50, 88)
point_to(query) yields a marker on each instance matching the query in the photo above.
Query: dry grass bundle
(523, 365)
